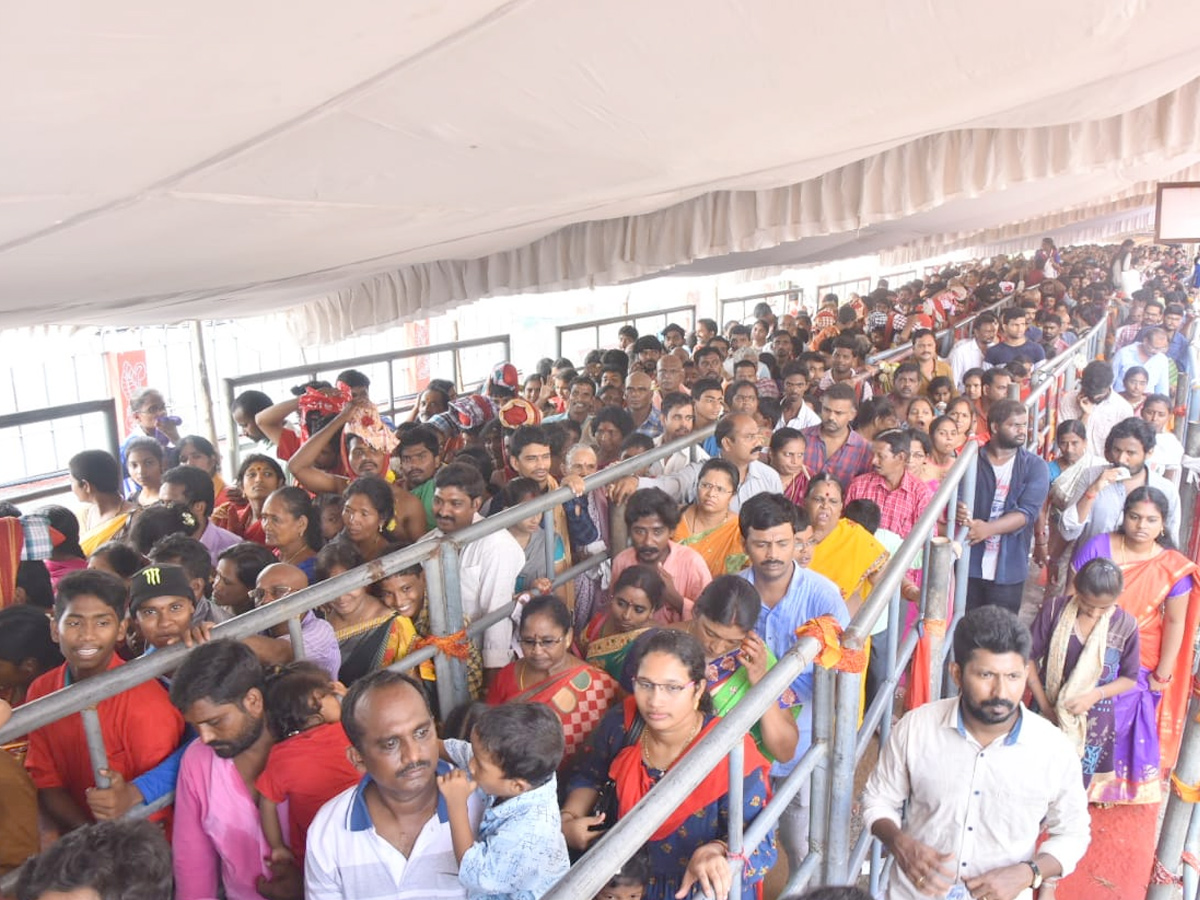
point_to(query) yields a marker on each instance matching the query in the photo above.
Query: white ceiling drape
(365, 162)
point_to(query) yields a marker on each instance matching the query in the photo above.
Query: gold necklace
(671, 761)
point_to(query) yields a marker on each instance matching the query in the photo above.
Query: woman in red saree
(548, 673)
(1162, 591)
(637, 744)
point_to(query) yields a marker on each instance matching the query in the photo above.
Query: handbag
(606, 798)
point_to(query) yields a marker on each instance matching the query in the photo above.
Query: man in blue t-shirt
(1013, 325)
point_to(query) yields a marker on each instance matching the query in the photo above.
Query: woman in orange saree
(1162, 591)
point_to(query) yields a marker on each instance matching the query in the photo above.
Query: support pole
(736, 823)
(439, 625)
(841, 800)
(822, 733)
(550, 535)
(454, 617)
(296, 635)
(97, 752)
(937, 603)
(206, 399)
(1177, 819)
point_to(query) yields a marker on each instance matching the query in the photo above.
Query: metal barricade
(477, 366)
(740, 308)
(829, 761)
(843, 289)
(1051, 381)
(946, 338)
(52, 483)
(575, 340)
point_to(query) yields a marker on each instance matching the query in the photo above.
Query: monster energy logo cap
(161, 580)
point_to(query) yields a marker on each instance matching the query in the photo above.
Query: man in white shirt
(968, 353)
(979, 774)
(795, 386)
(488, 567)
(387, 838)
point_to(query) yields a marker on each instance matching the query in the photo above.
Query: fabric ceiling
(364, 162)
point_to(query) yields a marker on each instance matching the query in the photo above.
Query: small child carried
(308, 765)
(512, 756)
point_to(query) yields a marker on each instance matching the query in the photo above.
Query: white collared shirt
(347, 859)
(983, 805)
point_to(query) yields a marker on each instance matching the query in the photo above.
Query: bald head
(280, 575)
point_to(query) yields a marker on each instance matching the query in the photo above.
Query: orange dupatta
(633, 780)
(1146, 587)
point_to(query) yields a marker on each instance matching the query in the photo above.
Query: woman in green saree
(637, 595)
(737, 659)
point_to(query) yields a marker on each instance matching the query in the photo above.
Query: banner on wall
(126, 376)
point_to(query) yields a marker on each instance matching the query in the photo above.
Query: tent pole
(206, 401)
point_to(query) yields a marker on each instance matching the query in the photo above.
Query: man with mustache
(772, 528)
(389, 836)
(979, 774)
(1010, 489)
(488, 567)
(219, 691)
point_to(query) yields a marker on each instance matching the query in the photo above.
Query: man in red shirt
(140, 726)
(901, 496)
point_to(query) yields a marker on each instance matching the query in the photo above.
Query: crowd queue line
(817, 467)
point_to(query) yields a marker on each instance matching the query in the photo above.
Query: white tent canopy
(362, 162)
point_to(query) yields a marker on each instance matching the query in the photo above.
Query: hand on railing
(115, 800)
(708, 870)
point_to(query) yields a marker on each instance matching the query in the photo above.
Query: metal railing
(837, 741)
(843, 289)
(440, 555)
(740, 308)
(53, 483)
(1053, 379)
(573, 339)
(386, 360)
(946, 338)
(44, 710)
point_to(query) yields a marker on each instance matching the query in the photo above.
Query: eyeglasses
(260, 595)
(545, 643)
(650, 687)
(715, 488)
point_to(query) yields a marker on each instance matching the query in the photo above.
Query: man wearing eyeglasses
(320, 645)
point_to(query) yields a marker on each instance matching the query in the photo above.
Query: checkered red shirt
(901, 507)
(852, 458)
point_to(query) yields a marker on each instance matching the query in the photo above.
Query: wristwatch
(1037, 874)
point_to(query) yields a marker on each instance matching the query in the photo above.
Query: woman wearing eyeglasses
(636, 744)
(708, 526)
(549, 673)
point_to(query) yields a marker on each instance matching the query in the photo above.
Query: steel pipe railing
(724, 307)
(311, 371)
(45, 710)
(593, 871)
(631, 318)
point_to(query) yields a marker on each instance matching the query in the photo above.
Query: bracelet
(1091, 495)
(1162, 680)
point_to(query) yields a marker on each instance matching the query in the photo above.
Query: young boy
(630, 881)
(520, 851)
(161, 611)
(129, 859)
(140, 726)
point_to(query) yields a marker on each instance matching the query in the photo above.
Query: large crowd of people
(322, 771)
